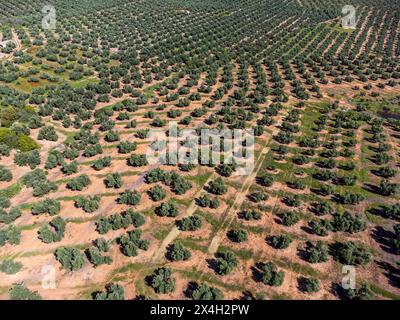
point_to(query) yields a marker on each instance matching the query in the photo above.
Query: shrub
(167, 209)
(70, 168)
(162, 281)
(19, 291)
(266, 180)
(346, 223)
(29, 158)
(52, 231)
(157, 193)
(118, 221)
(79, 183)
(268, 274)
(137, 160)
(280, 242)
(43, 187)
(191, 223)
(177, 252)
(386, 188)
(127, 147)
(316, 253)
(96, 258)
(11, 216)
(5, 174)
(10, 266)
(48, 133)
(155, 175)
(289, 218)
(26, 144)
(321, 208)
(362, 293)
(310, 285)
(131, 242)
(112, 292)
(178, 184)
(251, 215)
(130, 197)
(238, 235)
(54, 159)
(89, 204)
(113, 180)
(70, 258)
(10, 234)
(225, 262)
(102, 163)
(204, 292)
(218, 187)
(320, 227)
(353, 253)
(258, 196)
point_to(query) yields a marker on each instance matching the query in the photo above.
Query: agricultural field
(84, 214)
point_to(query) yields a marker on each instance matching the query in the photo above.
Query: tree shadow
(191, 287)
(392, 273)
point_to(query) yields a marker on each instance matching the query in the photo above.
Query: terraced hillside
(85, 215)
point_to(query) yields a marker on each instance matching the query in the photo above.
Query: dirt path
(241, 195)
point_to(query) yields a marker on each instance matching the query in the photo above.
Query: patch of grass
(384, 293)
(12, 190)
(162, 232)
(206, 277)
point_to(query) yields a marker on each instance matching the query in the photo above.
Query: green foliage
(177, 252)
(127, 147)
(113, 292)
(346, 223)
(289, 218)
(88, 204)
(113, 180)
(268, 274)
(320, 227)
(94, 255)
(130, 197)
(19, 291)
(167, 209)
(218, 187)
(5, 174)
(29, 158)
(48, 133)
(70, 258)
(281, 241)
(191, 223)
(205, 292)
(79, 183)
(102, 163)
(54, 159)
(310, 285)
(10, 266)
(131, 242)
(362, 293)
(11, 216)
(157, 193)
(353, 253)
(225, 262)
(238, 235)
(206, 202)
(137, 160)
(316, 252)
(10, 234)
(70, 168)
(162, 281)
(118, 221)
(52, 231)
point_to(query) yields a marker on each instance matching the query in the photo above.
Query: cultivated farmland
(85, 215)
